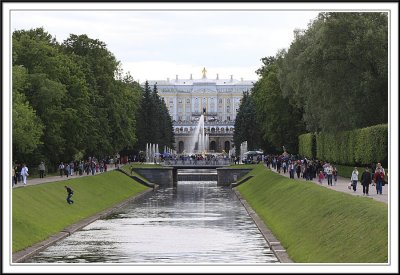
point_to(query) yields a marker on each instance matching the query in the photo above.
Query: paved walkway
(35, 181)
(342, 186)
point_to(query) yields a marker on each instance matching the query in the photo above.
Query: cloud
(176, 41)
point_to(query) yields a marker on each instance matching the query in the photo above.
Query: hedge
(305, 145)
(359, 146)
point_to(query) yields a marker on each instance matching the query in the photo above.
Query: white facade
(187, 99)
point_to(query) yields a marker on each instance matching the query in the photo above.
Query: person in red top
(379, 177)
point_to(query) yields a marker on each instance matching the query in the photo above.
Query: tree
(27, 127)
(247, 127)
(280, 121)
(78, 92)
(154, 121)
(336, 70)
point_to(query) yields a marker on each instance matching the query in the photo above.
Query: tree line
(71, 100)
(332, 78)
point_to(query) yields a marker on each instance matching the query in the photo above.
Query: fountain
(200, 138)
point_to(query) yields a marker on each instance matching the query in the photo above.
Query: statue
(204, 71)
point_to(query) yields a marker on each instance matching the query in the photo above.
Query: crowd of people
(315, 169)
(301, 167)
(91, 166)
(196, 159)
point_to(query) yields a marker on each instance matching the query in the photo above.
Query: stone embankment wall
(160, 176)
(226, 176)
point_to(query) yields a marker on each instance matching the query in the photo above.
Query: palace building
(218, 99)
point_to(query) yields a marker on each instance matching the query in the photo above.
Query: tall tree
(280, 121)
(27, 128)
(154, 120)
(336, 70)
(247, 127)
(78, 91)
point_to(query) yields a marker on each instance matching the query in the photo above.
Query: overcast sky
(161, 44)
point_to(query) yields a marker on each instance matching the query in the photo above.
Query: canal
(195, 222)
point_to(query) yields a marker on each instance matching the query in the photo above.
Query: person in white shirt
(329, 174)
(24, 173)
(354, 178)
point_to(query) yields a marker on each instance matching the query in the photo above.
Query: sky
(162, 44)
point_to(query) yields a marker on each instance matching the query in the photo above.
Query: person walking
(354, 179)
(298, 169)
(334, 173)
(329, 173)
(284, 166)
(291, 170)
(18, 172)
(366, 180)
(13, 176)
(24, 173)
(61, 168)
(15, 173)
(70, 192)
(67, 170)
(379, 177)
(71, 168)
(41, 169)
(321, 177)
(81, 168)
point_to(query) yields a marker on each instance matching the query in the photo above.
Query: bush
(356, 147)
(306, 145)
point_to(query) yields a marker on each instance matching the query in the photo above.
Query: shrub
(355, 147)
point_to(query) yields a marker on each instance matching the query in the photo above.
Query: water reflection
(197, 222)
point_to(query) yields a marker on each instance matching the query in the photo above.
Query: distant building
(218, 99)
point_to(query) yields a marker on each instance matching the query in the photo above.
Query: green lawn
(316, 224)
(128, 168)
(38, 211)
(242, 166)
(144, 165)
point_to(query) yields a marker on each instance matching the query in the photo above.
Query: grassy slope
(318, 225)
(242, 166)
(41, 210)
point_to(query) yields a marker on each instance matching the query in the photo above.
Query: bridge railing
(191, 162)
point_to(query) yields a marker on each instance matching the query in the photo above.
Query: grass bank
(242, 166)
(38, 211)
(316, 224)
(129, 169)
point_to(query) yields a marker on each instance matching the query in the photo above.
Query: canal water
(195, 222)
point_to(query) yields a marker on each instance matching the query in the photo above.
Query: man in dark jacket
(70, 193)
(366, 180)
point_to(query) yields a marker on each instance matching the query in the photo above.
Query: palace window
(228, 109)
(220, 101)
(212, 109)
(188, 100)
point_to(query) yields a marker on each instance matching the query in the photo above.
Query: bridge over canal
(170, 173)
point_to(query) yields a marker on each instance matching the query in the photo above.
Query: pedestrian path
(342, 186)
(58, 178)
